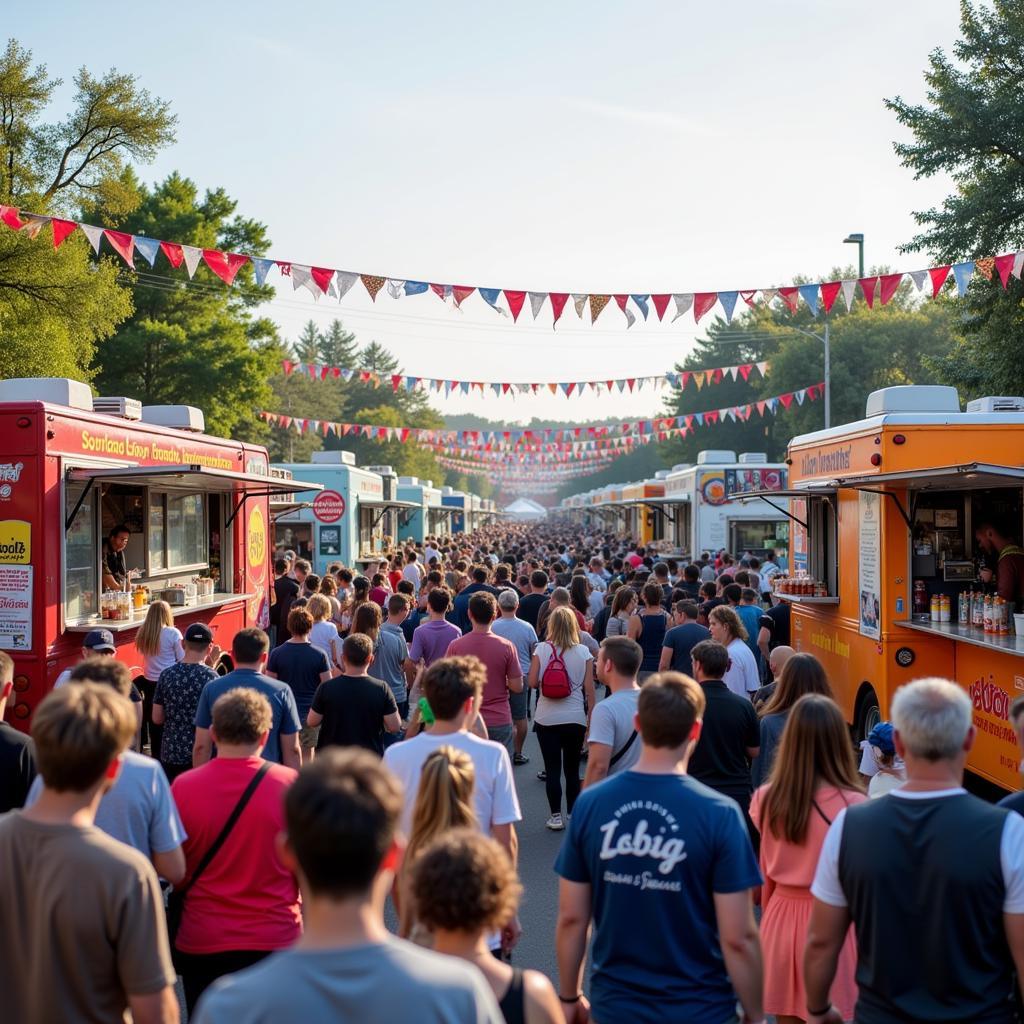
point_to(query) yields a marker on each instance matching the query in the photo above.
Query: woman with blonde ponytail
(444, 801)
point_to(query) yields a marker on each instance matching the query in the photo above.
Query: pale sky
(583, 147)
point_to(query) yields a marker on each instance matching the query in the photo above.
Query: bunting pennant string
(331, 281)
(409, 382)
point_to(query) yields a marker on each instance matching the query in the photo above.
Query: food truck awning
(389, 504)
(190, 477)
(660, 503)
(826, 491)
(968, 476)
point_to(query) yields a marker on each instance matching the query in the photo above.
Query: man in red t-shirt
(246, 903)
(501, 661)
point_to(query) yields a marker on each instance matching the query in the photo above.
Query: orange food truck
(885, 581)
(71, 469)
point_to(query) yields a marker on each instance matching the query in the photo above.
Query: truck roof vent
(912, 398)
(661, 474)
(680, 466)
(409, 481)
(715, 456)
(751, 458)
(447, 491)
(333, 458)
(1002, 403)
(428, 483)
(180, 417)
(125, 408)
(381, 470)
(54, 390)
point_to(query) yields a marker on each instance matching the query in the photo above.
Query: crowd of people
(240, 819)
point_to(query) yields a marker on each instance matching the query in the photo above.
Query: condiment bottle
(936, 612)
(987, 624)
(945, 608)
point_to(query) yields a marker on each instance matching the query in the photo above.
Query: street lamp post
(824, 339)
(857, 240)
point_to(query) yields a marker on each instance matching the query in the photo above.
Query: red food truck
(72, 468)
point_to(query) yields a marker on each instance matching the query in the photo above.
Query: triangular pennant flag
(660, 304)
(147, 248)
(641, 304)
(748, 296)
(1004, 265)
(1018, 263)
(260, 269)
(767, 294)
(728, 301)
(938, 276)
(579, 301)
(744, 370)
(985, 266)
(345, 280)
(396, 289)
(411, 287)
(34, 223)
(173, 252)
(9, 216)
(800, 396)
(63, 228)
(461, 292)
(537, 302)
(303, 278)
(829, 291)
(597, 304)
(703, 302)
(515, 302)
(558, 301)
(191, 255)
(809, 293)
(868, 285)
(224, 264)
(962, 274)
(788, 296)
(890, 284)
(786, 400)
(622, 301)
(848, 291)
(123, 244)
(372, 283)
(683, 304)
(919, 277)
(322, 276)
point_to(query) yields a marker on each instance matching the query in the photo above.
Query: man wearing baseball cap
(97, 642)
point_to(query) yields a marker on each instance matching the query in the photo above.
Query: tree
(196, 342)
(306, 347)
(972, 128)
(56, 305)
(338, 346)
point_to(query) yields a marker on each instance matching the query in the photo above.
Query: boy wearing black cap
(177, 696)
(97, 642)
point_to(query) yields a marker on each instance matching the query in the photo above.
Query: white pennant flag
(630, 316)
(396, 289)
(579, 301)
(683, 303)
(345, 279)
(192, 256)
(848, 289)
(919, 277)
(733, 371)
(536, 302)
(762, 367)
(95, 236)
(332, 291)
(800, 396)
(301, 277)
(1018, 263)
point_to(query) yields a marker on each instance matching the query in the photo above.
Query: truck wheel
(869, 714)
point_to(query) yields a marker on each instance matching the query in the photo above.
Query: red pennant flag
(761, 407)
(829, 291)
(745, 370)
(788, 296)
(660, 304)
(173, 252)
(461, 291)
(404, 434)
(439, 290)
(515, 302)
(558, 301)
(63, 228)
(631, 381)
(622, 300)
(9, 215)
(712, 416)
(717, 376)
(505, 388)
(396, 380)
(224, 264)
(322, 276)
(123, 244)
(868, 286)
(1004, 264)
(288, 366)
(569, 389)
(703, 302)
(938, 276)
(748, 296)
(787, 399)
(890, 285)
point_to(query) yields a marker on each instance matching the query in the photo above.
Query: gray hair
(560, 595)
(933, 717)
(508, 599)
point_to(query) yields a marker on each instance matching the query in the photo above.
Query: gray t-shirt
(138, 809)
(379, 983)
(611, 722)
(389, 654)
(521, 635)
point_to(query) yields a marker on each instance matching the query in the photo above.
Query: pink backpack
(555, 683)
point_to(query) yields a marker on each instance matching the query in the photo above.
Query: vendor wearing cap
(115, 567)
(1008, 558)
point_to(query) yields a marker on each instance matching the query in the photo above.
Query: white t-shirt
(826, 885)
(169, 652)
(741, 676)
(325, 636)
(564, 710)
(429, 553)
(494, 794)
(411, 572)
(63, 678)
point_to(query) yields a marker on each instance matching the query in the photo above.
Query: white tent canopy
(526, 510)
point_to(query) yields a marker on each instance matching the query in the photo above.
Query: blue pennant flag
(728, 301)
(490, 296)
(641, 303)
(147, 248)
(809, 293)
(962, 272)
(415, 287)
(261, 268)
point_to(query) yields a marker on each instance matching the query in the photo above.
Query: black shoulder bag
(176, 900)
(616, 757)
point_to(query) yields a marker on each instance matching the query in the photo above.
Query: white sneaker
(555, 823)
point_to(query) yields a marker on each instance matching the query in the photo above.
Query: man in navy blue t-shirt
(664, 868)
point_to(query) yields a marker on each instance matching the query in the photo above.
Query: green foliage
(972, 129)
(197, 342)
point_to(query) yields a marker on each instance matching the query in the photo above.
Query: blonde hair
(444, 800)
(563, 632)
(319, 607)
(147, 640)
(729, 617)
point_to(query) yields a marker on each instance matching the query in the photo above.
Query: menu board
(870, 558)
(15, 607)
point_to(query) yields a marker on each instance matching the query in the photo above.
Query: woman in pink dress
(813, 778)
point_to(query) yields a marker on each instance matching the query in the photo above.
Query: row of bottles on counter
(987, 612)
(798, 586)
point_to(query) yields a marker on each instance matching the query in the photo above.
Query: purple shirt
(431, 639)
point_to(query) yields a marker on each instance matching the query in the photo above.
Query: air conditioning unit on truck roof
(125, 408)
(1002, 403)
